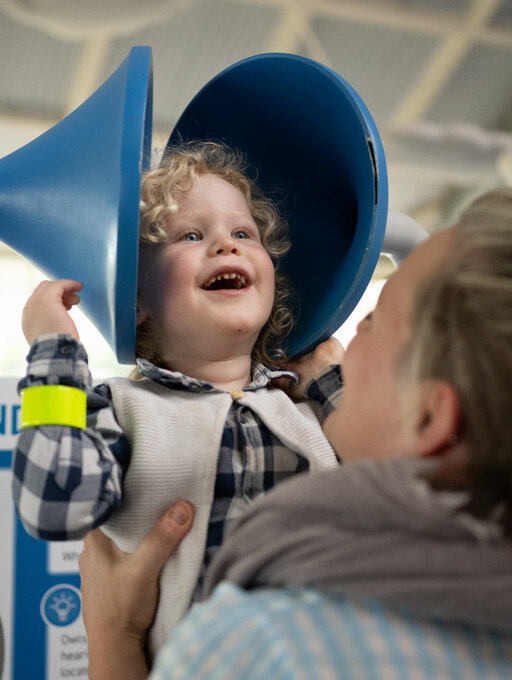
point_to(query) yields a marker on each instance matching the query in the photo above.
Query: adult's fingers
(162, 540)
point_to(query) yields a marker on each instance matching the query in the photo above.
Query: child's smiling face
(212, 283)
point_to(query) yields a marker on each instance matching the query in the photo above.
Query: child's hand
(311, 365)
(46, 310)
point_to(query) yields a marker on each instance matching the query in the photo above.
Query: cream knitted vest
(174, 438)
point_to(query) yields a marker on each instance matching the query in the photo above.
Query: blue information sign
(43, 637)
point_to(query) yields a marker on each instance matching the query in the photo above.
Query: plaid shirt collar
(261, 377)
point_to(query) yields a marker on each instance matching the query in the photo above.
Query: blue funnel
(312, 143)
(69, 200)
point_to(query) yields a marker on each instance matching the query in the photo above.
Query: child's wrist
(53, 405)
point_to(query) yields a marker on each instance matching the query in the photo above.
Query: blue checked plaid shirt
(304, 634)
(251, 458)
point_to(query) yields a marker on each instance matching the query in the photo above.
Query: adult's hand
(120, 594)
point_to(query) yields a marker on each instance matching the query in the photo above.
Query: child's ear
(142, 313)
(438, 418)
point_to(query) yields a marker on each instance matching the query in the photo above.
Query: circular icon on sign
(60, 605)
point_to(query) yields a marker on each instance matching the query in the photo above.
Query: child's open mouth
(226, 281)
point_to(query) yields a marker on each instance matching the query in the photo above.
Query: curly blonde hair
(461, 332)
(161, 189)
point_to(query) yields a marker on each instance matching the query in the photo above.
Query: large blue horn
(308, 136)
(69, 200)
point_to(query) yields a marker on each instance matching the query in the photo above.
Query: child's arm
(319, 374)
(310, 366)
(66, 480)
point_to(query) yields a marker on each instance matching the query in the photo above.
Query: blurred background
(435, 74)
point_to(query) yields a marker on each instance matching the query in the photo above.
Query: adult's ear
(438, 418)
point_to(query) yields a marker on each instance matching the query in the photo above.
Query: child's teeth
(241, 281)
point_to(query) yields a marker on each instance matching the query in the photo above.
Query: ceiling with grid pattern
(436, 75)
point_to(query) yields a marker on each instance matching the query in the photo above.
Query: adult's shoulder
(236, 633)
(305, 633)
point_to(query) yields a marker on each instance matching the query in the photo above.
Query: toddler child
(200, 418)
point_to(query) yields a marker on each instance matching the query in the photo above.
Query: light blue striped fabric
(306, 635)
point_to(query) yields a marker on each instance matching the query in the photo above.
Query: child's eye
(191, 236)
(241, 233)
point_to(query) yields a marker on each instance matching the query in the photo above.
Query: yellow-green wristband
(53, 405)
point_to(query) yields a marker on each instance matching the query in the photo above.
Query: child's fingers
(46, 310)
(70, 299)
(60, 288)
(68, 289)
(70, 284)
(63, 289)
(331, 351)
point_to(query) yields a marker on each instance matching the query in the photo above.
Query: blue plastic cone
(312, 142)
(69, 200)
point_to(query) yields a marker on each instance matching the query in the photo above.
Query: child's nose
(226, 245)
(233, 250)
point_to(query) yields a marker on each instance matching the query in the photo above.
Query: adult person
(398, 563)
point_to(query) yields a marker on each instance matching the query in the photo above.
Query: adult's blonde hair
(161, 189)
(461, 332)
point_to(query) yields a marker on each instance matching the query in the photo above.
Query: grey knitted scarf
(374, 530)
